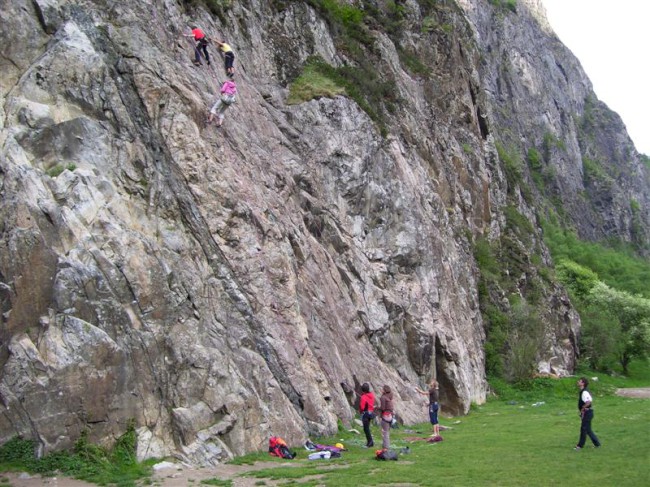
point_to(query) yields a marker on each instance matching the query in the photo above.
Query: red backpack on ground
(385, 454)
(278, 448)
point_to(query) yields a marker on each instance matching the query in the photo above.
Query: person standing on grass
(366, 408)
(434, 405)
(387, 414)
(586, 415)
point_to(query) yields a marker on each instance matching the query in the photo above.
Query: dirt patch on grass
(176, 476)
(637, 392)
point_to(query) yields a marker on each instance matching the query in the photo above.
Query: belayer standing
(387, 414)
(229, 57)
(434, 405)
(227, 96)
(201, 45)
(367, 408)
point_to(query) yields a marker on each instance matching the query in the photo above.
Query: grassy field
(523, 438)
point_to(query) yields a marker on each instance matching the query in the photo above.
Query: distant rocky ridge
(218, 286)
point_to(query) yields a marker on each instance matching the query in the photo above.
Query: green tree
(633, 315)
(524, 338)
(578, 279)
(601, 340)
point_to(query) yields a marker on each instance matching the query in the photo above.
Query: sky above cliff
(610, 40)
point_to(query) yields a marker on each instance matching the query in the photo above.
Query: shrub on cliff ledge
(505, 4)
(361, 84)
(312, 83)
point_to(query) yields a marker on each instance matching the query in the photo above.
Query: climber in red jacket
(201, 45)
(367, 408)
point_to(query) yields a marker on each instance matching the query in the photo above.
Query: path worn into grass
(637, 392)
(179, 476)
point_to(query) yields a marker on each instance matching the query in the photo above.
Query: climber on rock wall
(201, 45)
(229, 57)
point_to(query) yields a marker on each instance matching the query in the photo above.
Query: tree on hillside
(615, 323)
(632, 314)
(578, 279)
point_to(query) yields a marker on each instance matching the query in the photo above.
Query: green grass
(89, 462)
(221, 483)
(362, 84)
(312, 83)
(523, 436)
(506, 442)
(505, 4)
(59, 168)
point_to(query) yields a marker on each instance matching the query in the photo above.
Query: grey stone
(216, 287)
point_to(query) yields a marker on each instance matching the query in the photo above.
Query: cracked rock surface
(216, 287)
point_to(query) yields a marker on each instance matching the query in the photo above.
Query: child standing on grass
(434, 405)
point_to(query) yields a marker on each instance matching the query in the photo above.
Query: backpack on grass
(278, 448)
(385, 454)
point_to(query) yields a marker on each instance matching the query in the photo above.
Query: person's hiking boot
(197, 63)
(578, 448)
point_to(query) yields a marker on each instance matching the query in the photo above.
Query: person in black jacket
(586, 415)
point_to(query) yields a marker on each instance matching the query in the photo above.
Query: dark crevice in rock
(448, 394)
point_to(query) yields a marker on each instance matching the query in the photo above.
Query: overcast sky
(610, 39)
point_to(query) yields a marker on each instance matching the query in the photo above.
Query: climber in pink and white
(226, 98)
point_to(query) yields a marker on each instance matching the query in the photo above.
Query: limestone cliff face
(541, 99)
(218, 285)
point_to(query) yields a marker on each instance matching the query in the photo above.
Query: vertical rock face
(541, 99)
(217, 286)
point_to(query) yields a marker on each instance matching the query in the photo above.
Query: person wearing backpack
(227, 96)
(586, 415)
(367, 408)
(387, 413)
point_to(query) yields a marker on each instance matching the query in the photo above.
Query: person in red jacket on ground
(367, 408)
(201, 45)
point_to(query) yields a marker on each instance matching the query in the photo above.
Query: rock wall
(217, 286)
(541, 98)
